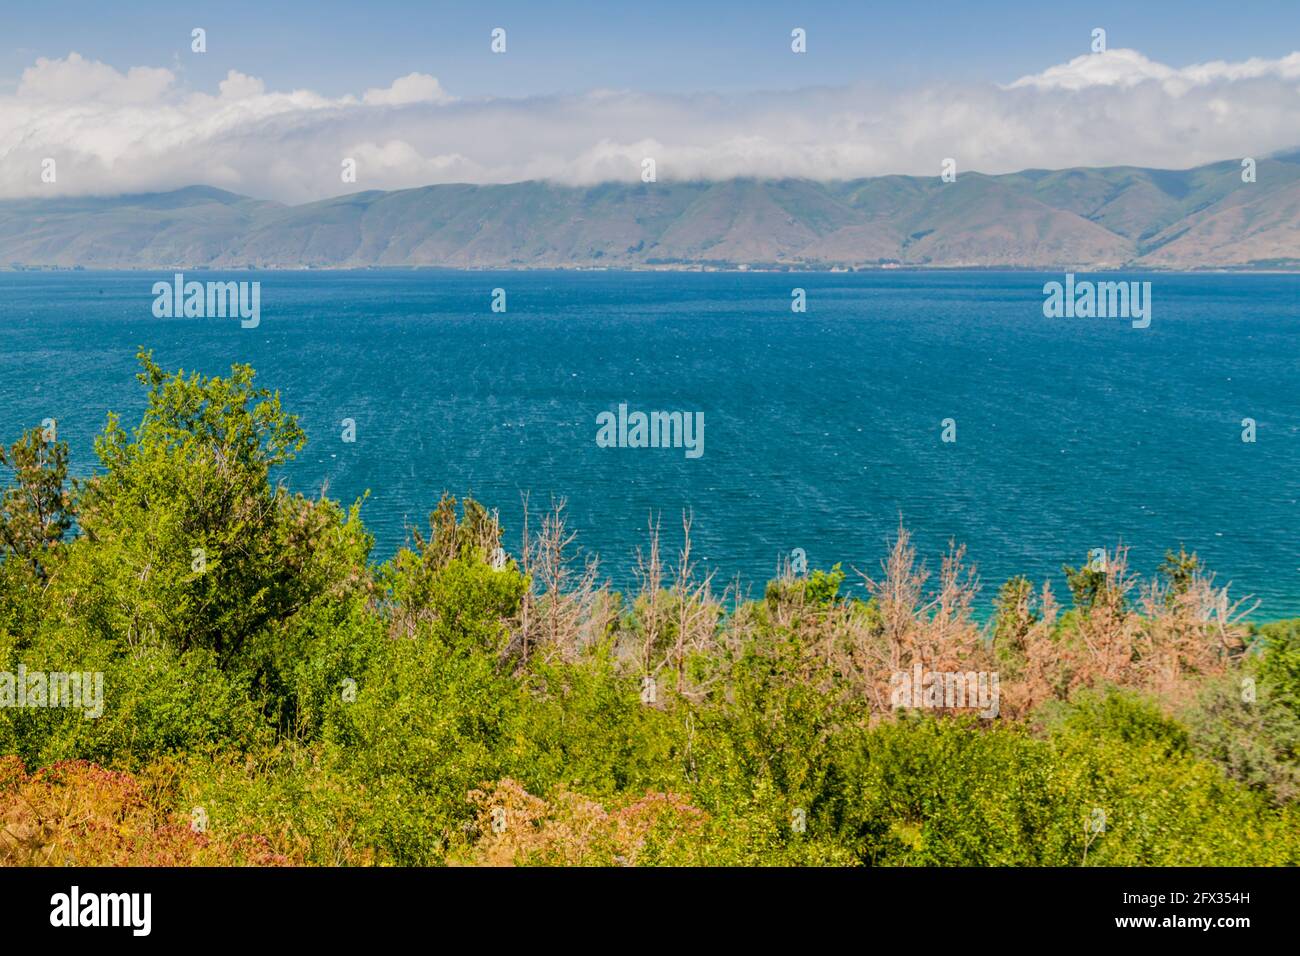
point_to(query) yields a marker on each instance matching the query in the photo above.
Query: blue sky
(337, 47)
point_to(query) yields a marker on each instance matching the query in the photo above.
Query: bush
(319, 709)
(76, 814)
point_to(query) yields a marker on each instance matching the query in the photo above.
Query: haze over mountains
(1108, 218)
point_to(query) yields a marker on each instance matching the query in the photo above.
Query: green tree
(1179, 570)
(37, 511)
(1014, 619)
(187, 539)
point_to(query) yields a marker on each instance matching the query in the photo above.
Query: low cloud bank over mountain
(112, 131)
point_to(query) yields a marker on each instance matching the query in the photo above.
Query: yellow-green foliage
(321, 709)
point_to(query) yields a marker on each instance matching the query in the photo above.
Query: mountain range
(1084, 218)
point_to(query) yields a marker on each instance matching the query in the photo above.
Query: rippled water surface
(821, 430)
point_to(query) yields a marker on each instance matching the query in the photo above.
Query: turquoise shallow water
(821, 430)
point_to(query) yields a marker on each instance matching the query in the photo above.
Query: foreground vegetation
(273, 697)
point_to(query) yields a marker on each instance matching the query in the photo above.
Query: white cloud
(78, 80)
(113, 131)
(412, 88)
(237, 86)
(1127, 68)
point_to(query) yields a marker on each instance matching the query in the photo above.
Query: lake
(821, 429)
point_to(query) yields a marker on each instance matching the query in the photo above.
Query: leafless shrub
(565, 610)
(914, 626)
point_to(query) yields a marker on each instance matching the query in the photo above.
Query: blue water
(821, 430)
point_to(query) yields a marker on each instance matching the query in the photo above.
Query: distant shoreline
(737, 269)
(1105, 219)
